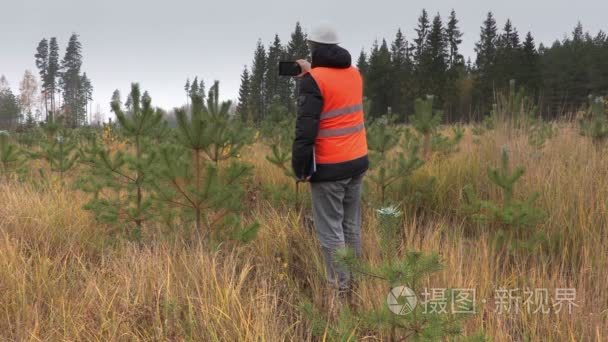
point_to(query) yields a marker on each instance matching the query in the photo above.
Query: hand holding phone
(289, 68)
(297, 68)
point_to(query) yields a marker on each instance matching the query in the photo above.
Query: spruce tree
(401, 77)
(362, 64)
(278, 89)
(379, 75)
(422, 31)
(242, 109)
(486, 46)
(485, 62)
(508, 56)
(454, 39)
(456, 73)
(438, 55)
(297, 48)
(71, 83)
(566, 85)
(192, 180)
(530, 76)
(422, 57)
(257, 96)
(271, 75)
(121, 181)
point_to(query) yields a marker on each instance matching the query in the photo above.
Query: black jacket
(310, 105)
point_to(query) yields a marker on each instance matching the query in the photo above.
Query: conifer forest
(484, 209)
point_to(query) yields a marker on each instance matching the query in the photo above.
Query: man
(330, 148)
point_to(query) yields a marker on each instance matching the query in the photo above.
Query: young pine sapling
(426, 122)
(12, 160)
(510, 214)
(594, 123)
(121, 180)
(191, 178)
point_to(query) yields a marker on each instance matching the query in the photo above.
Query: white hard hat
(324, 33)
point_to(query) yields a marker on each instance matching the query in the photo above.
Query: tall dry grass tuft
(65, 277)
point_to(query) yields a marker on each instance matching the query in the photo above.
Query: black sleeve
(310, 104)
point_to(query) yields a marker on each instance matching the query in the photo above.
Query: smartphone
(289, 69)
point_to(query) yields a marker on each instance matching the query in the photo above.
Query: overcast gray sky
(161, 43)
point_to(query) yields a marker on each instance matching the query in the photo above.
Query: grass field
(65, 277)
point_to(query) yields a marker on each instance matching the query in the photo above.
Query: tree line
(21, 108)
(64, 91)
(63, 80)
(559, 78)
(262, 90)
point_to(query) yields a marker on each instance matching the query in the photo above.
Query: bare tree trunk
(46, 105)
(197, 209)
(138, 220)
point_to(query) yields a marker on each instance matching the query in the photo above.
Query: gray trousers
(336, 208)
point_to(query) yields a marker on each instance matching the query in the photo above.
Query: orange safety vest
(341, 135)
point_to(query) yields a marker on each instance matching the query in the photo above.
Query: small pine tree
(12, 161)
(594, 123)
(446, 145)
(277, 132)
(191, 179)
(222, 137)
(58, 149)
(478, 130)
(388, 167)
(510, 213)
(382, 137)
(30, 139)
(120, 181)
(409, 269)
(539, 131)
(426, 122)
(344, 329)
(515, 110)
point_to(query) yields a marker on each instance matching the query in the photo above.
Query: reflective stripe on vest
(336, 132)
(341, 111)
(341, 136)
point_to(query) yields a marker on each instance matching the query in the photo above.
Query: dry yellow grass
(65, 277)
